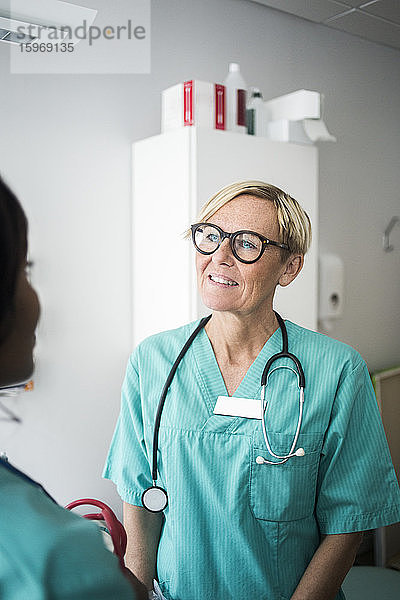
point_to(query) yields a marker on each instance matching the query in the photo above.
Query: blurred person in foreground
(45, 550)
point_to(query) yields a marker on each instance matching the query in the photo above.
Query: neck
(239, 337)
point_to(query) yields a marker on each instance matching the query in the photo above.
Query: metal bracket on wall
(385, 240)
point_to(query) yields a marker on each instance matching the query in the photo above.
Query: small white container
(193, 102)
(235, 100)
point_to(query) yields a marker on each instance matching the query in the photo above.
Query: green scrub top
(235, 529)
(48, 553)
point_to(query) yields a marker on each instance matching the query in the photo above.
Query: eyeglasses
(246, 246)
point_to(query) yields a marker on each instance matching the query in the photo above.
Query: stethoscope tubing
(165, 389)
(115, 528)
(302, 383)
(285, 458)
(283, 354)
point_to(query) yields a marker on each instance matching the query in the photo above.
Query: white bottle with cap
(235, 89)
(255, 113)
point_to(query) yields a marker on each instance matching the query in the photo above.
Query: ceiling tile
(355, 3)
(376, 20)
(313, 10)
(369, 27)
(388, 9)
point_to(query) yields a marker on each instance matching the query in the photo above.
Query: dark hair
(13, 250)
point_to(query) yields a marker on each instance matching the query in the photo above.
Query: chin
(217, 304)
(29, 368)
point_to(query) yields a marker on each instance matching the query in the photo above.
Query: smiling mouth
(222, 280)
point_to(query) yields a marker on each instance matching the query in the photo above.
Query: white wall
(65, 148)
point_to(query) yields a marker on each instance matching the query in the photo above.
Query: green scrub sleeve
(79, 566)
(128, 464)
(48, 552)
(357, 484)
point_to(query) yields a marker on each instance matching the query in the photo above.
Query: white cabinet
(173, 175)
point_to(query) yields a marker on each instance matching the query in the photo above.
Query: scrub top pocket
(284, 492)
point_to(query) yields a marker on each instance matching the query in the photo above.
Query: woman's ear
(292, 268)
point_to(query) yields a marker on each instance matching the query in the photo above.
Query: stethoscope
(155, 498)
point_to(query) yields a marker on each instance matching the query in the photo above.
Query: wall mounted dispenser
(330, 290)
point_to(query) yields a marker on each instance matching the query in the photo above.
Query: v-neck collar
(210, 377)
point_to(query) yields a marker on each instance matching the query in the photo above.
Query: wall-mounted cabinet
(173, 175)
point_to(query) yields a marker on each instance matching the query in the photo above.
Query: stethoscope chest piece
(155, 499)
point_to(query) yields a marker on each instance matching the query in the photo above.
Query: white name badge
(229, 406)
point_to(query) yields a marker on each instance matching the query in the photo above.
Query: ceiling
(374, 20)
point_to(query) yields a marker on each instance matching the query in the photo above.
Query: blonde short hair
(294, 223)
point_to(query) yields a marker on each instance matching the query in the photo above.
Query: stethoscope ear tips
(300, 452)
(260, 460)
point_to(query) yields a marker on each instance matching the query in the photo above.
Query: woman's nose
(224, 254)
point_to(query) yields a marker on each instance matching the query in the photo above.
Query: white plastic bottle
(255, 113)
(235, 97)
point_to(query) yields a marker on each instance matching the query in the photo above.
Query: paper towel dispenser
(297, 117)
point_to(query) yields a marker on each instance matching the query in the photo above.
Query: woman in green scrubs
(236, 527)
(46, 552)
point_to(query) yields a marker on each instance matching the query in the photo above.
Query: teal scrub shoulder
(317, 344)
(48, 552)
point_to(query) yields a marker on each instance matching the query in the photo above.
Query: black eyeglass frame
(232, 236)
